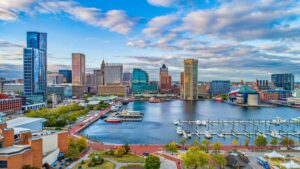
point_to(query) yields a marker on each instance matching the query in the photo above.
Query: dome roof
(164, 66)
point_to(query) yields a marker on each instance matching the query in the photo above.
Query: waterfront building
(10, 106)
(244, 96)
(263, 84)
(13, 88)
(35, 66)
(112, 90)
(113, 73)
(54, 78)
(34, 106)
(67, 74)
(140, 82)
(21, 146)
(219, 87)
(190, 78)
(274, 95)
(283, 81)
(127, 78)
(165, 80)
(78, 69)
(203, 90)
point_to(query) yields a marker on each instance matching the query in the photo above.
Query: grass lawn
(104, 165)
(127, 158)
(132, 166)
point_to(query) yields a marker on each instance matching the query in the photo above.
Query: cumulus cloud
(245, 20)
(114, 20)
(163, 3)
(10, 9)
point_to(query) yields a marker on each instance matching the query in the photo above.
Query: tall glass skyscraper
(67, 74)
(285, 81)
(140, 82)
(190, 78)
(35, 67)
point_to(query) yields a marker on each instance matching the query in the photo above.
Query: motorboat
(295, 120)
(154, 100)
(189, 135)
(176, 122)
(278, 121)
(203, 123)
(198, 122)
(207, 135)
(114, 108)
(220, 135)
(179, 130)
(113, 120)
(275, 134)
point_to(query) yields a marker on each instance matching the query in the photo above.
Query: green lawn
(104, 165)
(127, 158)
(133, 166)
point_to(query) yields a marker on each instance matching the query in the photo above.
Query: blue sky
(232, 39)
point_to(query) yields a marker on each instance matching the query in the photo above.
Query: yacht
(113, 120)
(220, 135)
(189, 135)
(278, 121)
(203, 123)
(296, 120)
(179, 130)
(198, 122)
(114, 108)
(207, 135)
(275, 134)
(176, 122)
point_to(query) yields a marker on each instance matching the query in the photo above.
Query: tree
(82, 143)
(195, 143)
(119, 151)
(220, 160)
(261, 141)
(182, 141)
(152, 162)
(206, 143)
(195, 159)
(235, 142)
(287, 142)
(217, 146)
(247, 141)
(172, 147)
(127, 148)
(274, 142)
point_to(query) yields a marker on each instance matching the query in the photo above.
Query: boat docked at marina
(176, 122)
(113, 120)
(201, 123)
(220, 135)
(295, 120)
(275, 134)
(207, 135)
(278, 121)
(179, 130)
(154, 100)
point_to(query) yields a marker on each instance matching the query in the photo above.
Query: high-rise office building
(140, 82)
(89, 80)
(35, 67)
(285, 81)
(67, 74)
(165, 80)
(190, 78)
(113, 73)
(78, 69)
(219, 87)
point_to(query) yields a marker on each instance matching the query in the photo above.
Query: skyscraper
(67, 74)
(113, 73)
(165, 80)
(284, 81)
(78, 69)
(35, 67)
(190, 85)
(140, 82)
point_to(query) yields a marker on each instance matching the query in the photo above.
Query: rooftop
(22, 120)
(15, 149)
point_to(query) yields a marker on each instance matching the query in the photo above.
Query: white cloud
(163, 3)
(10, 9)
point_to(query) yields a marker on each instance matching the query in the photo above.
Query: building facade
(78, 69)
(203, 90)
(165, 80)
(219, 87)
(55, 78)
(140, 82)
(67, 74)
(112, 90)
(10, 106)
(283, 81)
(13, 88)
(35, 66)
(113, 73)
(190, 78)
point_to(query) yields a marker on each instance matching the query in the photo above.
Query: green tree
(206, 143)
(193, 159)
(119, 151)
(220, 160)
(195, 143)
(287, 142)
(182, 141)
(261, 141)
(172, 147)
(82, 143)
(127, 148)
(274, 142)
(152, 162)
(246, 143)
(217, 146)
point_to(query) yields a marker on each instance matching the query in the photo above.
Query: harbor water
(157, 126)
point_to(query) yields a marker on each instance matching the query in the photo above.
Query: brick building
(111, 90)
(10, 105)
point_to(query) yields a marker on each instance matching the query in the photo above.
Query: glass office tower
(285, 81)
(67, 74)
(140, 82)
(35, 67)
(190, 78)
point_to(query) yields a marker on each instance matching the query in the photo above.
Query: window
(3, 164)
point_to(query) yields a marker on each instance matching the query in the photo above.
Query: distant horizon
(241, 40)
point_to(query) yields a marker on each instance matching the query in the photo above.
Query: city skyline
(157, 32)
